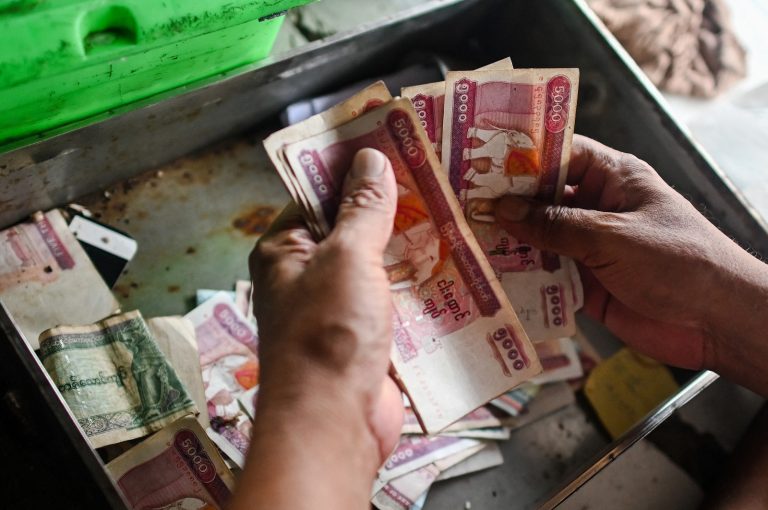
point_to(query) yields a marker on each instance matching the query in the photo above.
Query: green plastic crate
(64, 60)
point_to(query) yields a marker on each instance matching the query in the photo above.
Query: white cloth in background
(685, 46)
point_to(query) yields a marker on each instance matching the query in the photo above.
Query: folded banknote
(177, 468)
(47, 279)
(115, 379)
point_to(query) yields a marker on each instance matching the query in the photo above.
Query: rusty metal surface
(195, 220)
(95, 153)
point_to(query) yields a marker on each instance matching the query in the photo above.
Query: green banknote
(117, 382)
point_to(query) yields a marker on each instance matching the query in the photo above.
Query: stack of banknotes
(485, 337)
(468, 297)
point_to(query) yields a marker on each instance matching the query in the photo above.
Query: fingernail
(512, 209)
(368, 163)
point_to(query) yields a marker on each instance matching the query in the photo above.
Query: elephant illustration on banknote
(505, 161)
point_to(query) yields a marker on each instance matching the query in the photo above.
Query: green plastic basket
(64, 60)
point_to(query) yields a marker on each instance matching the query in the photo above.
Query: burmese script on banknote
(458, 342)
(177, 468)
(114, 378)
(509, 132)
(47, 279)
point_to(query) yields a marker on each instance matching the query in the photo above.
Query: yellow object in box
(625, 387)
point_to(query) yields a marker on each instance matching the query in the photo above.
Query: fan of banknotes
(462, 287)
(466, 295)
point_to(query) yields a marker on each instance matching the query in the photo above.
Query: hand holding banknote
(324, 378)
(655, 271)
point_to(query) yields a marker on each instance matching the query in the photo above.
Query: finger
(607, 179)
(282, 253)
(569, 195)
(590, 158)
(387, 418)
(568, 231)
(369, 199)
(668, 343)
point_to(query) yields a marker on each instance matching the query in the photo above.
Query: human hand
(325, 325)
(655, 271)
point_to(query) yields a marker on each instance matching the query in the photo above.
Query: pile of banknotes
(468, 297)
(485, 337)
(472, 443)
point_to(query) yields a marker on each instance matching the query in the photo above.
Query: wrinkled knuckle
(342, 249)
(608, 224)
(271, 250)
(296, 241)
(626, 166)
(263, 253)
(615, 230)
(629, 160)
(369, 196)
(554, 217)
(636, 168)
(605, 234)
(336, 346)
(609, 158)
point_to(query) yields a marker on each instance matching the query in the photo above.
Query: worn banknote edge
(149, 449)
(435, 89)
(368, 98)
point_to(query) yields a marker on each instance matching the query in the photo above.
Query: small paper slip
(625, 387)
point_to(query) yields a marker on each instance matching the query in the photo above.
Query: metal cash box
(196, 223)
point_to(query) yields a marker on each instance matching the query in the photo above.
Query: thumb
(564, 230)
(369, 199)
